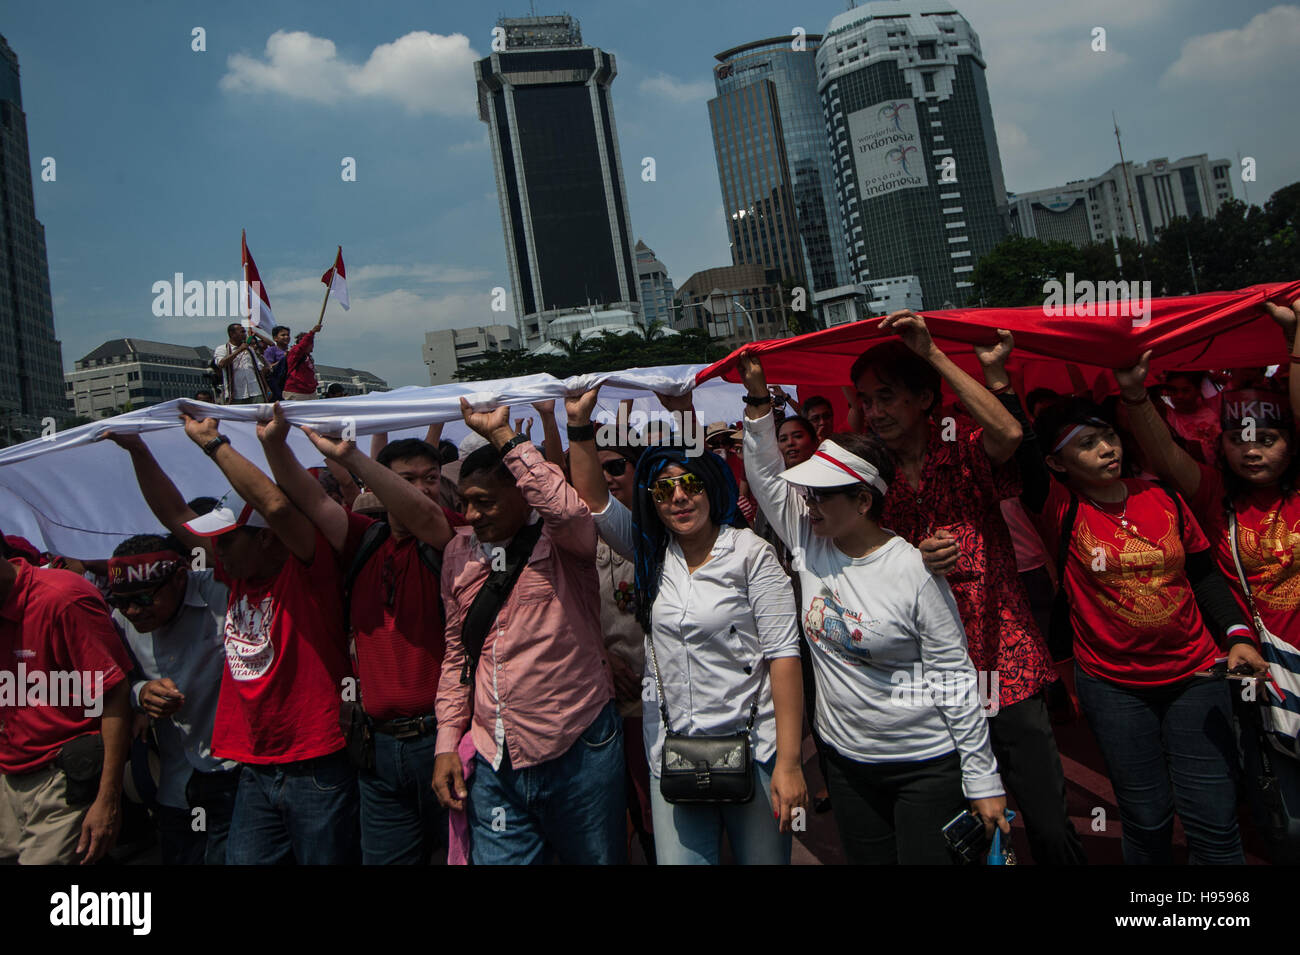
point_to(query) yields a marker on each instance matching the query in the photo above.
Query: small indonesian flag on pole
(259, 315)
(337, 281)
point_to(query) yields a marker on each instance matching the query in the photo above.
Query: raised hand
(998, 352)
(1133, 381)
(544, 407)
(125, 441)
(275, 430)
(911, 328)
(200, 431)
(335, 449)
(486, 422)
(580, 407)
(750, 367)
(681, 403)
(1286, 317)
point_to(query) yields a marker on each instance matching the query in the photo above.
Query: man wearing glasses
(173, 620)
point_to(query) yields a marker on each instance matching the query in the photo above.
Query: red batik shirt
(960, 492)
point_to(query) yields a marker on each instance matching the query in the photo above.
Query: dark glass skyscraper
(559, 175)
(31, 361)
(774, 166)
(919, 178)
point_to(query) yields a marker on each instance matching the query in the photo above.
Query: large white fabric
(75, 494)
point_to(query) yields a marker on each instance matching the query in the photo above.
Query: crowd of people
(505, 652)
(252, 368)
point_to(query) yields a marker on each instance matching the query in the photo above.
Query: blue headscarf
(651, 535)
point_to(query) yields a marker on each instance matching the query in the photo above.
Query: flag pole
(328, 289)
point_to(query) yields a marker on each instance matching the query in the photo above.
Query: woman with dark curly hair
(721, 642)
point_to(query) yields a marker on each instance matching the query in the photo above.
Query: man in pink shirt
(539, 701)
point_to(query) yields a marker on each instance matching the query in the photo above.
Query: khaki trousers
(37, 827)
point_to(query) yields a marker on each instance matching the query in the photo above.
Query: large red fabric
(1214, 330)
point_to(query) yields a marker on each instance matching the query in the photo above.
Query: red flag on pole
(336, 279)
(261, 316)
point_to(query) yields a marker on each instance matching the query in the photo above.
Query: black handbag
(705, 770)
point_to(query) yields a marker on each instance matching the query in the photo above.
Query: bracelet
(1295, 359)
(1134, 401)
(513, 443)
(211, 447)
(754, 401)
(1000, 388)
(581, 432)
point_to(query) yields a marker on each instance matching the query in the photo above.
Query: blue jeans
(1275, 806)
(304, 812)
(573, 804)
(180, 843)
(402, 822)
(1166, 748)
(692, 835)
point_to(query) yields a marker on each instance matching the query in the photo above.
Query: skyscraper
(919, 178)
(31, 361)
(559, 175)
(656, 287)
(774, 166)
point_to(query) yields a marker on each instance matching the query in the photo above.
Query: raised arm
(1166, 459)
(1001, 434)
(783, 506)
(419, 515)
(584, 462)
(291, 525)
(303, 490)
(1288, 319)
(160, 493)
(550, 432)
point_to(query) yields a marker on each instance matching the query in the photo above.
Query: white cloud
(470, 145)
(423, 72)
(416, 274)
(675, 89)
(1265, 45)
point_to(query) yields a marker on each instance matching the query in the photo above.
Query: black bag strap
(371, 540)
(492, 597)
(1063, 545)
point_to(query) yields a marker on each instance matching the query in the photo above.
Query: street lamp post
(719, 294)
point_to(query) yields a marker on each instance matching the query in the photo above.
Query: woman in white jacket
(897, 704)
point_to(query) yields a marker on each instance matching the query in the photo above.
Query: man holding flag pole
(300, 383)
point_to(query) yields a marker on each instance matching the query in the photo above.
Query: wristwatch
(211, 447)
(513, 443)
(755, 400)
(581, 432)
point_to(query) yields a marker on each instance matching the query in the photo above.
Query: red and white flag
(262, 316)
(337, 281)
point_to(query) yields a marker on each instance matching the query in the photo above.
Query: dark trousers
(1169, 748)
(1030, 766)
(402, 822)
(190, 837)
(894, 813)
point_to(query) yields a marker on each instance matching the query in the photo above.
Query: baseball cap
(471, 443)
(231, 512)
(834, 466)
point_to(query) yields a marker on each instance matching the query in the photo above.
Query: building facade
(657, 290)
(31, 358)
(447, 351)
(546, 101)
(1133, 200)
(919, 180)
(751, 305)
(774, 167)
(132, 372)
(354, 380)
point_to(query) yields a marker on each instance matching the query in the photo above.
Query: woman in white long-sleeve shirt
(897, 701)
(718, 611)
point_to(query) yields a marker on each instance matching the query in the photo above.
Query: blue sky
(163, 154)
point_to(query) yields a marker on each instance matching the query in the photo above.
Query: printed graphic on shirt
(836, 630)
(1272, 561)
(249, 650)
(625, 597)
(1136, 576)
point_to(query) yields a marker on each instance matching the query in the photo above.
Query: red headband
(135, 570)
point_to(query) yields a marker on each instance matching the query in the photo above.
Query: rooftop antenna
(1124, 169)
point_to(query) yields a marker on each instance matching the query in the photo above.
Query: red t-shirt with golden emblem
(1268, 538)
(1134, 614)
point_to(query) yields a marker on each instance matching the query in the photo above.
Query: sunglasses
(142, 599)
(819, 495)
(615, 466)
(663, 489)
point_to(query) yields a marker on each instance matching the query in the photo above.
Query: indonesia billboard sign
(887, 148)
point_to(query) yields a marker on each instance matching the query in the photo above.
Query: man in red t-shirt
(286, 654)
(65, 716)
(300, 383)
(396, 615)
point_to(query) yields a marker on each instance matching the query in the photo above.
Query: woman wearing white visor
(897, 697)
